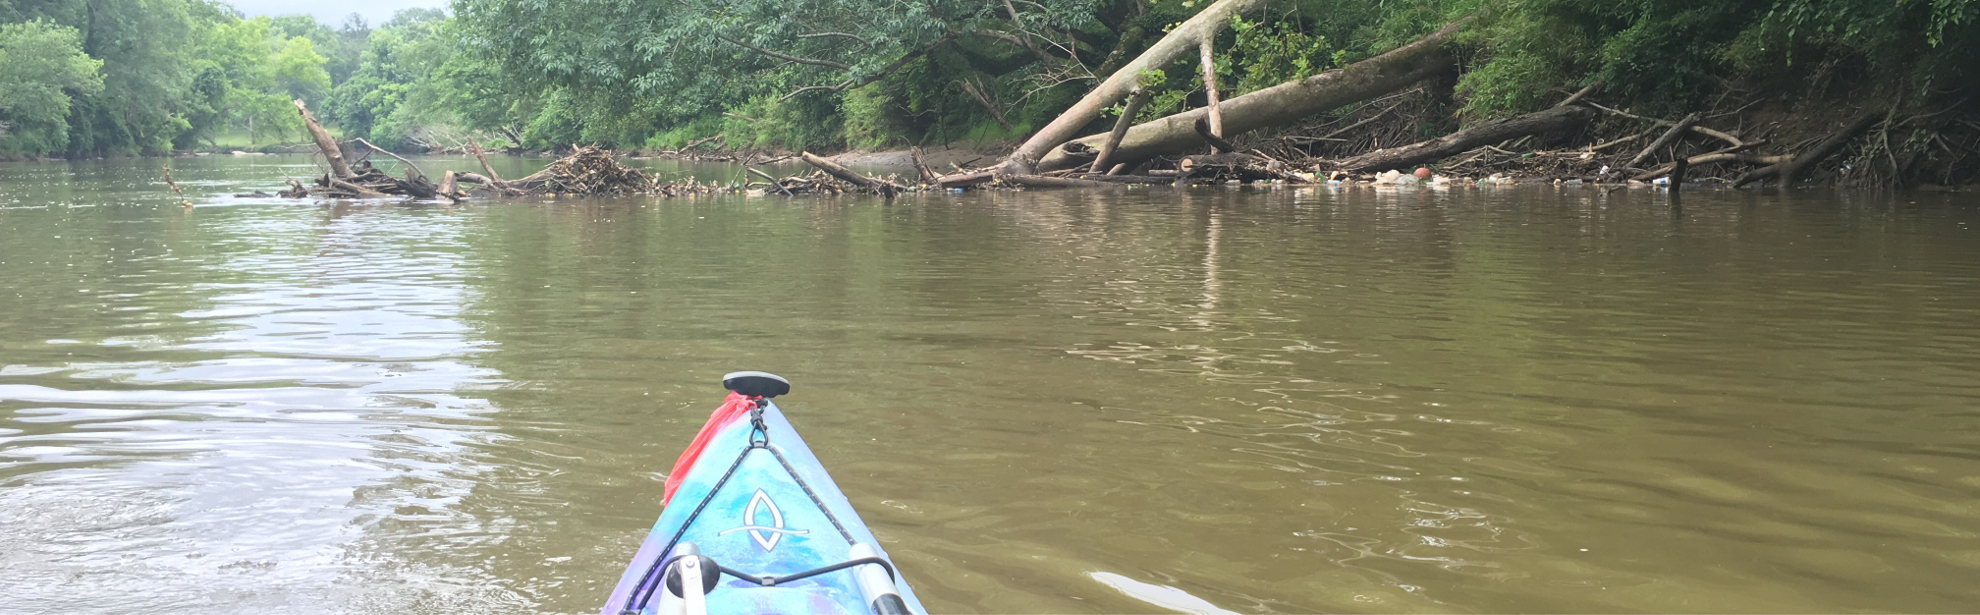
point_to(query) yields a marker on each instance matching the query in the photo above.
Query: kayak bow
(753, 524)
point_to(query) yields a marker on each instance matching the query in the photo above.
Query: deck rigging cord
(759, 439)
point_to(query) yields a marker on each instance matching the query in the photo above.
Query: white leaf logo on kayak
(766, 536)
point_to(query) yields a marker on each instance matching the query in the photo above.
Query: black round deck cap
(756, 384)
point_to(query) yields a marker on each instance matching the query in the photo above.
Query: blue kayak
(752, 515)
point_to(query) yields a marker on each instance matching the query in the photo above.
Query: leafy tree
(400, 87)
(298, 70)
(42, 66)
(340, 48)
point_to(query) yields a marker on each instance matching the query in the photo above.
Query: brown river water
(1204, 401)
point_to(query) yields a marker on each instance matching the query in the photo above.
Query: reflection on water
(1209, 401)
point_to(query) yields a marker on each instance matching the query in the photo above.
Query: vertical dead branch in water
(1216, 112)
(325, 143)
(448, 188)
(175, 188)
(1135, 101)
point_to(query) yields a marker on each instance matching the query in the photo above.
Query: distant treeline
(109, 77)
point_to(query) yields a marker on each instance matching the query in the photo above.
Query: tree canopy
(102, 77)
(42, 66)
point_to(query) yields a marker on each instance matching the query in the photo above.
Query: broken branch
(400, 158)
(833, 169)
(1551, 120)
(1669, 136)
(325, 143)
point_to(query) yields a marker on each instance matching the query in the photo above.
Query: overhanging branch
(881, 74)
(785, 56)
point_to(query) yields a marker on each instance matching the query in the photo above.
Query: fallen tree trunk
(325, 143)
(1277, 105)
(1185, 37)
(1676, 131)
(1787, 171)
(1121, 124)
(885, 188)
(963, 180)
(1711, 158)
(1551, 120)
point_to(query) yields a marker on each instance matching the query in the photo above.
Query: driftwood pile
(369, 182)
(588, 171)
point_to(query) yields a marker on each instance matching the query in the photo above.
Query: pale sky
(374, 11)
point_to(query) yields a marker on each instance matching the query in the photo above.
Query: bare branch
(1735, 141)
(862, 40)
(816, 88)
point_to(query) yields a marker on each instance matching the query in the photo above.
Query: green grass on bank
(238, 139)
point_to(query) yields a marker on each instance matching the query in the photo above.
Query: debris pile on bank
(586, 171)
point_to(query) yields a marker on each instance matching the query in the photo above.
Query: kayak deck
(758, 503)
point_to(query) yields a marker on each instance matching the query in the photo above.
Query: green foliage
(873, 118)
(101, 77)
(400, 87)
(339, 47)
(42, 65)
(677, 62)
(1669, 54)
(1267, 54)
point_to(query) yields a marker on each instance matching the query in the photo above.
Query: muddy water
(1140, 401)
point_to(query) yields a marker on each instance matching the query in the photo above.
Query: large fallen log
(1275, 106)
(883, 187)
(1551, 120)
(966, 179)
(1187, 36)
